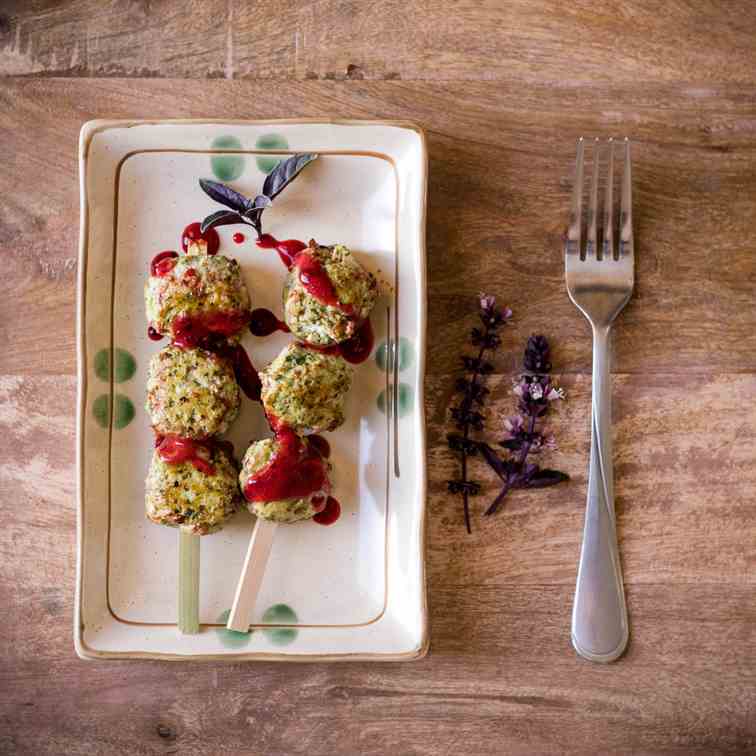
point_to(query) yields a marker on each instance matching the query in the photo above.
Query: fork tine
(608, 245)
(626, 213)
(591, 247)
(572, 243)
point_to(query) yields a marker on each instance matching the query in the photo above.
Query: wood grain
(502, 89)
(500, 179)
(431, 40)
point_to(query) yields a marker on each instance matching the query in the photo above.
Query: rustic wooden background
(503, 89)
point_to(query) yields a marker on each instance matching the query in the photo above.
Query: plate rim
(87, 133)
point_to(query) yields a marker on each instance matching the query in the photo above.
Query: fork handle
(599, 614)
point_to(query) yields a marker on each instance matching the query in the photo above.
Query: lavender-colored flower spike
(523, 436)
(537, 355)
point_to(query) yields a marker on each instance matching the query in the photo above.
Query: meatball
(305, 389)
(259, 456)
(186, 496)
(199, 290)
(316, 322)
(191, 393)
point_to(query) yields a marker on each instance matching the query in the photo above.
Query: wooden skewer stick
(188, 583)
(253, 571)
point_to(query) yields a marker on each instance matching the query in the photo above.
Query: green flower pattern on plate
(270, 142)
(124, 365)
(231, 638)
(280, 614)
(227, 167)
(404, 399)
(123, 412)
(405, 352)
(384, 359)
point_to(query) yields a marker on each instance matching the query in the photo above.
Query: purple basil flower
(537, 352)
(522, 436)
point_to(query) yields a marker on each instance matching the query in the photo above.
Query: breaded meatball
(203, 288)
(184, 496)
(319, 323)
(191, 393)
(306, 389)
(259, 456)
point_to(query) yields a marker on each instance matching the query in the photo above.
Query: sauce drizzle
(263, 322)
(196, 330)
(287, 249)
(314, 278)
(295, 471)
(175, 450)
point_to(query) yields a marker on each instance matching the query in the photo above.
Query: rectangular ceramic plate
(352, 590)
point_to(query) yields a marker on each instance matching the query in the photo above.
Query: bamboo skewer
(188, 583)
(253, 571)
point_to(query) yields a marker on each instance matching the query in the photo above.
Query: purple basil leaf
(260, 202)
(220, 218)
(225, 195)
(496, 503)
(500, 466)
(284, 173)
(544, 478)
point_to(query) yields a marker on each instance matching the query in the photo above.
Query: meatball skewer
(327, 299)
(284, 480)
(199, 300)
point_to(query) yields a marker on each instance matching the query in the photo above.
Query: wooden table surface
(503, 89)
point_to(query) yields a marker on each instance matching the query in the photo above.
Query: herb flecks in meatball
(306, 389)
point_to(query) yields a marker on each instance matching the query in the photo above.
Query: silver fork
(600, 281)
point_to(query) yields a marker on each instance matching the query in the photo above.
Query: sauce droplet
(358, 348)
(163, 263)
(263, 322)
(330, 513)
(175, 450)
(192, 233)
(238, 237)
(153, 333)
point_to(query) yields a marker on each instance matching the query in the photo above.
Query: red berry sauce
(354, 350)
(330, 513)
(192, 233)
(295, 471)
(263, 322)
(321, 445)
(163, 263)
(153, 333)
(314, 278)
(358, 348)
(287, 249)
(196, 330)
(174, 450)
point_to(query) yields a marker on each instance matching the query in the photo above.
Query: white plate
(352, 590)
